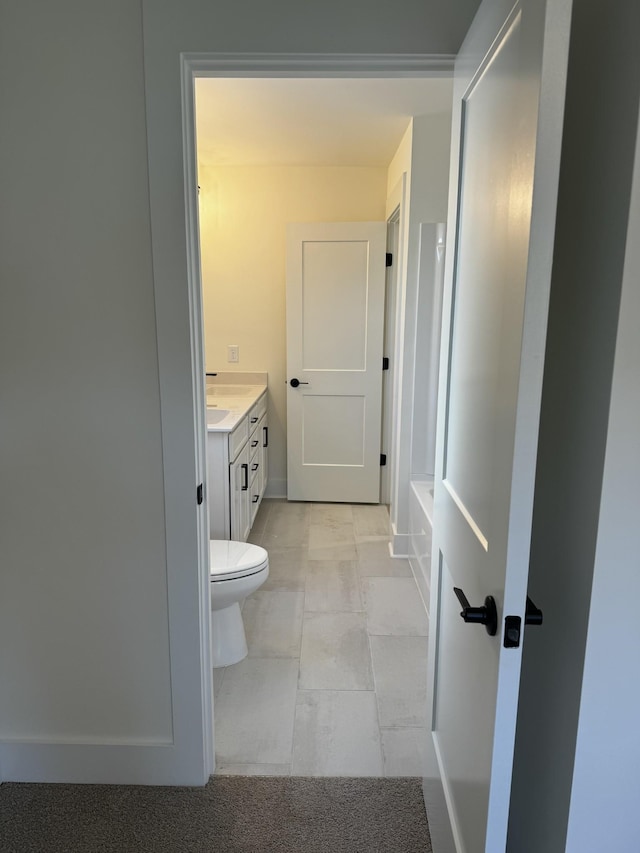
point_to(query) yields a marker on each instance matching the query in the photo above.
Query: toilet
(237, 569)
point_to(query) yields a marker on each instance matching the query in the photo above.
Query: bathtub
(420, 524)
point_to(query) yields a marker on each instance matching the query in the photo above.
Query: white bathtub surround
(420, 526)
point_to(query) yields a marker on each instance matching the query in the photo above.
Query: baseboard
(276, 488)
(399, 544)
(99, 764)
(439, 825)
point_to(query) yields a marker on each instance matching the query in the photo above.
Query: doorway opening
(321, 589)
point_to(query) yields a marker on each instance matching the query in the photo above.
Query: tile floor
(335, 680)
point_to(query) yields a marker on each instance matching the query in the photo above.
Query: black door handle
(295, 382)
(265, 436)
(245, 471)
(532, 615)
(486, 615)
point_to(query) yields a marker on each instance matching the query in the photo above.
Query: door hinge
(385, 362)
(389, 259)
(200, 494)
(383, 459)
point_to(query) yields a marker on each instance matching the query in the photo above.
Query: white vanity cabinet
(240, 513)
(237, 477)
(258, 444)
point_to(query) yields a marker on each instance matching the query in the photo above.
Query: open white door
(335, 318)
(508, 109)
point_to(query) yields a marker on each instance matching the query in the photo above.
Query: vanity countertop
(227, 404)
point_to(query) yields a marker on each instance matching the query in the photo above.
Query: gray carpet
(232, 814)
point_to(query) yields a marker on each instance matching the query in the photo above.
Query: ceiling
(310, 122)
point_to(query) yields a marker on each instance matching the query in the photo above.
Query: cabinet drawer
(254, 444)
(238, 438)
(257, 411)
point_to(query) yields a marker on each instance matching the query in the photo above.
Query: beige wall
(244, 211)
(400, 163)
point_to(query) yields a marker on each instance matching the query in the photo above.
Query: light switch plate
(233, 353)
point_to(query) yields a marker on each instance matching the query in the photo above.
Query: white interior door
(335, 318)
(508, 106)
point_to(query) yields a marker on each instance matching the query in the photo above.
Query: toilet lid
(229, 559)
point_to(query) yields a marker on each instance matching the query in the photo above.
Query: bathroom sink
(214, 416)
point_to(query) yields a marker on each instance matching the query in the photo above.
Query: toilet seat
(229, 560)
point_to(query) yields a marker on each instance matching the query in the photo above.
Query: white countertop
(234, 401)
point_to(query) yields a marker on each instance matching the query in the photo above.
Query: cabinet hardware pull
(254, 420)
(254, 443)
(265, 436)
(256, 498)
(245, 471)
(255, 466)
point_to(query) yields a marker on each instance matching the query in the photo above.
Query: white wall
(96, 552)
(244, 211)
(83, 599)
(605, 773)
(427, 197)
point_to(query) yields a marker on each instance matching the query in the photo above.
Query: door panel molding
(482, 529)
(335, 280)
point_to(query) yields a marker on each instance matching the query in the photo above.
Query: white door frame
(257, 65)
(389, 377)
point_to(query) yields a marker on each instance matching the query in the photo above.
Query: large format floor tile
(287, 569)
(332, 541)
(287, 525)
(336, 734)
(334, 533)
(344, 551)
(331, 514)
(255, 711)
(400, 675)
(335, 652)
(273, 623)
(218, 675)
(370, 522)
(260, 521)
(394, 607)
(404, 751)
(332, 585)
(374, 560)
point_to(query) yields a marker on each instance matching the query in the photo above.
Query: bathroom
(342, 576)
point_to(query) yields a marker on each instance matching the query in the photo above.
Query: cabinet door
(264, 435)
(239, 486)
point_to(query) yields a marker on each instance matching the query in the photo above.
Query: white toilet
(237, 569)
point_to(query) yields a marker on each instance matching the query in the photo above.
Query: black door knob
(295, 382)
(486, 615)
